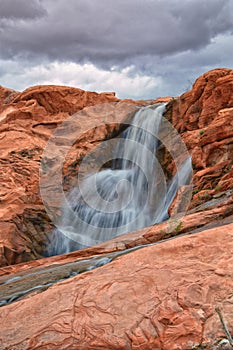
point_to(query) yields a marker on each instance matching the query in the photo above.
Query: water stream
(41, 278)
(38, 279)
(130, 195)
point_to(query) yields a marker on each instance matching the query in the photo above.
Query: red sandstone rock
(56, 99)
(196, 108)
(6, 95)
(215, 212)
(27, 120)
(160, 297)
(203, 115)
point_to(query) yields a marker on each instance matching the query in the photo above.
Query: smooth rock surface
(159, 297)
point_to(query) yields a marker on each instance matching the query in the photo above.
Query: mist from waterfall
(130, 195)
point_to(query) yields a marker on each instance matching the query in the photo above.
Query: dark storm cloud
(21, 9)
(109, 32)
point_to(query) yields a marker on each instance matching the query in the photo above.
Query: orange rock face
(204, 117)
(163, 296)
(197, 108)
(160, 297)
(27, 120)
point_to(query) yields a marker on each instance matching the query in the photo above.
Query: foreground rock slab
(159, 297)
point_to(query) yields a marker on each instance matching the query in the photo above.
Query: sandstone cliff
(27, 120)
(162, 296)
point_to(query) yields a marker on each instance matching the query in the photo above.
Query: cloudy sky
(138, 48)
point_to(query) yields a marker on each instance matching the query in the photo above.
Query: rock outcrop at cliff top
(204, 118)
(160, 297)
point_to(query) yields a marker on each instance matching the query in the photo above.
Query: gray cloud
(171, 42)
(21, 9)
(150, 77)
(110, 32)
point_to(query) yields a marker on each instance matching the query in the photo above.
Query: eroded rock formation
(204, 118)
(27, 120)
(163, 296)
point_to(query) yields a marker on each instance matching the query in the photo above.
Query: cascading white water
(131, 195)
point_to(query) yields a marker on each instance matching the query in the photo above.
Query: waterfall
(130, 195)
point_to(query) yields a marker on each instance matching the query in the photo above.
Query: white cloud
(146, 77)
(127, 83)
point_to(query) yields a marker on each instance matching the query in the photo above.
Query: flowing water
(38, 279)
(130, 195)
